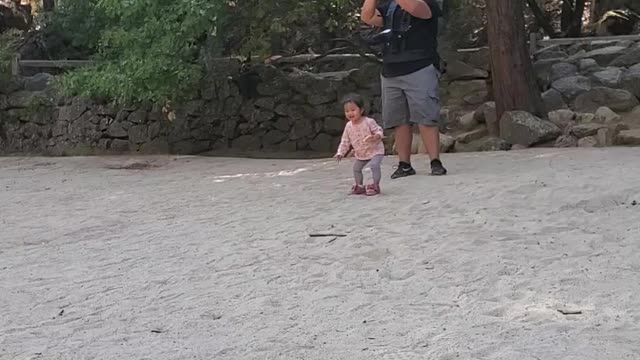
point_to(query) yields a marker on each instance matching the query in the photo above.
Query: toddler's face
(352, 112)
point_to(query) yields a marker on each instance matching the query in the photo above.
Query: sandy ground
(208, 258)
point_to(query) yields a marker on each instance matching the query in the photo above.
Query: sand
(210, 258)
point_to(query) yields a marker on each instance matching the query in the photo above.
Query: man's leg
(395, 115)
(424, 106)
(403, 135)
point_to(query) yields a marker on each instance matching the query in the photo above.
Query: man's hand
(370, 14)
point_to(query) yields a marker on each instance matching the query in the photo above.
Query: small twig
(569, 312)
(332, 240)
(327, 235)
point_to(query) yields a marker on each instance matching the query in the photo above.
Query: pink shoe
(358, 190)
(372, 190)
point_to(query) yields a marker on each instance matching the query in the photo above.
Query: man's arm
(370, 14)
(417, 8)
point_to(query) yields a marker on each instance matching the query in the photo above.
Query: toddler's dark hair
(354, 98)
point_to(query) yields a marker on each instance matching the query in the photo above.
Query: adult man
(410, 76)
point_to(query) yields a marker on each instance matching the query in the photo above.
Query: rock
(138, 134)
(615, 99)
(491, 119)
(610, 77)
(566, 141)
(38, 82)
(318, 99)
(106, 110)
(458, 70)
(562, 118)
(283, 124)
(479, 58)
(571, 87)
(246, 142)
(467, 121)
(334, 125)
(472, 135)
(268, 103)
(628, 137)
(273, 137)
(606, 55)
(59, 128)
(119, 145)
(542, 70)
(483, 144)
(585, 118)
(589, 141)
(631, 81)
(587, 66)
(553, 100)
(521, 127)
(630, 58)
(473, 92)
(562, 70)
(446, 143)
(302, 128)
(583, 130)
(116, 131)
(606, 115)
(322, 143)
(154, 130)
(625, 43)
(138, 117)
(287, 146)
(229, 128)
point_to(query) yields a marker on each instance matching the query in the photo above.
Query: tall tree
(514, 82)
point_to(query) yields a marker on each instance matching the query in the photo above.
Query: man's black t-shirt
(422, 35)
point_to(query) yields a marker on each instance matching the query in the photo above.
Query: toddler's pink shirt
(354, 135)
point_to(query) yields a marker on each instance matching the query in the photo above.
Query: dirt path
(204, 258)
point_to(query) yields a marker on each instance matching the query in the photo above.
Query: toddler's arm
(345, 143)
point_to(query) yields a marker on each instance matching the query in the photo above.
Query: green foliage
(152, 50)
(147, 51)
(9, 42)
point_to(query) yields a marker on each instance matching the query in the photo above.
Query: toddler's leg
(358, 165)
(374, 164)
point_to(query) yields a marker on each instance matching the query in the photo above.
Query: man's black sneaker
(437, 169)
(403, 170)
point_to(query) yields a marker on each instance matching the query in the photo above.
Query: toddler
(365, 136)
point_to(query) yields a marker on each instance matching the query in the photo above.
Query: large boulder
(571, 87)
(609, 77)
(562, 118)
(562, 70)
(472, 92)
(606, 55)
(631, 80)
(630, 58)
(616, 99)
(629, 137)
(523, 128)
(588, 66)
(553, 100)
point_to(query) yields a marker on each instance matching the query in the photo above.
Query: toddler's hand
(372, 138)
(338, 157)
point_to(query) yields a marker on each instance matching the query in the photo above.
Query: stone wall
(265, 109)
(286, 109)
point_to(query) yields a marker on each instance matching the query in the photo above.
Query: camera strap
(405, 24)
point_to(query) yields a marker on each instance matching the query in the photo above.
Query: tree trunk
(514, 82)
(574, 18)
